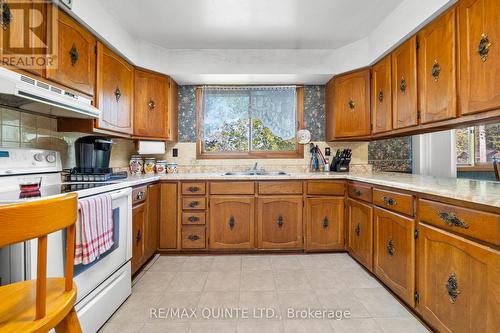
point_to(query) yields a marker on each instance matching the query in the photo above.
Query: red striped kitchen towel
(94, 228)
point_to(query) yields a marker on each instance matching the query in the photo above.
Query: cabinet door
(325, 223)
(329, 110)
(173, 110)
(24, 33)
(457, 283)
(231, 222)
(404, 84)
(479, 55)
(150, 112)
(139, 218)
(381, 96)
(279, 222)
(394, 252)
(360, 230)
(115, 94)
(352, 104)
(76, 56)
(169, 204)
(436, 69)
(151, 232)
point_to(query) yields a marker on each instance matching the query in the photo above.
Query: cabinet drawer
(398, 202)
(193, 188)
(139, 194)
(193, 218)
(361, 192)
(325, 187)
(232, 188)
(280, 187)
(193, 237)
(468, 222)
(194, 203)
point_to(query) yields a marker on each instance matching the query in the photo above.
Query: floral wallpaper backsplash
(314, 112)
(391, 155)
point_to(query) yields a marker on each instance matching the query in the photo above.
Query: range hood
(26, 93)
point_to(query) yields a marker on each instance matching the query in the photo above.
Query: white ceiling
(250, 24)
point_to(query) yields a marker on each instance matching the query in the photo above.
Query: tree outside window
(476, 146)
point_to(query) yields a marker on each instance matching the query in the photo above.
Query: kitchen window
(249, 121)
(476, 146)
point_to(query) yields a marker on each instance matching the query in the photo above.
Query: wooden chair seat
(17, 311)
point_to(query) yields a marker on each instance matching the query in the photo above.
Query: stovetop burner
(72, 187)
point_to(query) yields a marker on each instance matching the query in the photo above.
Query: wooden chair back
(25, 221)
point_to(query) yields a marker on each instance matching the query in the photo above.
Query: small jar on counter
(161, 167)
(149, 165)
(136, 165)
(172, 167)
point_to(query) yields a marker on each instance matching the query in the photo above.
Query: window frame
(297, 153)
(474, 166)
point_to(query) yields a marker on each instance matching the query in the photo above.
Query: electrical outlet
(327, 151)
(175, 152)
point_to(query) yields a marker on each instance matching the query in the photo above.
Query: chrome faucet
(254, 169)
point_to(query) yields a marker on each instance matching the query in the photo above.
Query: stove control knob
(39, 157)
(51, 158)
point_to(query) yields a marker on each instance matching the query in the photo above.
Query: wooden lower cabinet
(279, 222)
(394, 252)
(193, 237)
(139, 218)
(458, 282)
(168, 216)
(360, 232)
(232, 222)
(325, 223)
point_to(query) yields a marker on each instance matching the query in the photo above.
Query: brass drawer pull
(193, 204)
(390, 247)
(389, 201)
(325, 222)
(232, 222)
(280, 221)
(193, 189)
(357, 230)
(73, 54)
(452, 220)
(139, 195)
(193, 237)
(484, 47)
(436, 69)
(452, 288)
(357, 193)
(193, 219)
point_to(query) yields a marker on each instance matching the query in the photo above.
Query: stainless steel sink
(256, 173)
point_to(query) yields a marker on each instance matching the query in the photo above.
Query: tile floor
(210, 285)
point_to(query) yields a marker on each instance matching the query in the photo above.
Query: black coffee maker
(92, 155)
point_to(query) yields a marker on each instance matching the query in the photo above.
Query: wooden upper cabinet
(151, 104)
(352, 104)
(457, 283)
(329, 113)
(437, 69)
(325, 223)
(231, 222)
(479, 55)
(404, 84)
(115, 93)
(381, 96)
(279, 222)
(16, 38)
(76, 68)
(173, 110)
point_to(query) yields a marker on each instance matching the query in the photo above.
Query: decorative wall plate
(303, 136)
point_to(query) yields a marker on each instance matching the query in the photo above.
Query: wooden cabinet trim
(232, 187)
(280, 187)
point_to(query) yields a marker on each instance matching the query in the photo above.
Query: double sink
(256, 173)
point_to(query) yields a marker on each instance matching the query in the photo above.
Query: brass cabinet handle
(357, 193)
(193, 189)
(193, 237)
(73, 55)
(325, 222)
(452, 220)
(6, 16)
(232, 222)
(351, 104)
(390, 247)
(151, 105)
(357, 230)
(139, 195)
(193, 219)
(138, 237)
(280, 221)
(118, 94)
(380, 96)
(484, 47)
(389, 201)
(193, 204)
(436, 69)
(402, 84)
(452, 288)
